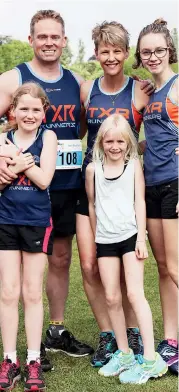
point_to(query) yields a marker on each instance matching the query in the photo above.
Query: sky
(82, 15)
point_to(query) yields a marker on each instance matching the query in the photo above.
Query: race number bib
(69, 154)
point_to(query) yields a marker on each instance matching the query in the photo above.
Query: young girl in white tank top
(115, 189)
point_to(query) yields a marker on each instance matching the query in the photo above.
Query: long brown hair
(31, 88)
(159, 26)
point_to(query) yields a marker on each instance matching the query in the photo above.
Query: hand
(177, 208)
(8, 150)
(6, 176)
(23, 162)
(142, 146)
(177, 151)
(141, 250)
(148, 86)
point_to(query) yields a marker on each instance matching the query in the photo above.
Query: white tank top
(114, 204)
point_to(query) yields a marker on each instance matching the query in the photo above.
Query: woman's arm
(140, 210)
(89, 184)
(42, 176)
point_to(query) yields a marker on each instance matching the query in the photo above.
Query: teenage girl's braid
(159, 26)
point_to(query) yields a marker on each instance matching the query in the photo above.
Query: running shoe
(135, 341)
(33, 379)
(118, 363)
(9, 374)
(45, 362)
(168, 349)
(106, 347)
(67, 343)
(142, 371)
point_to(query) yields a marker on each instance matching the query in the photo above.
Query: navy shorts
(161, 200)
(82, 203)
(32, 239)
(117, 249)
(63, 210)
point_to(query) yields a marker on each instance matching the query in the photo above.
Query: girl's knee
(135, 296)
(10, 294)
(114, 300)
(31, 294)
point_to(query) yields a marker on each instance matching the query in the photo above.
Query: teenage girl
(25, 232)
(115, 189)
(156, 52)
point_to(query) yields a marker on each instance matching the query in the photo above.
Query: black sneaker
(33, 379)
(45, 362)
(106, 347)
(9, 374)
(135, 341)
(67, 343)
(169, 353)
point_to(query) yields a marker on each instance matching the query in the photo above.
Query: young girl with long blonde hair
(115, 189)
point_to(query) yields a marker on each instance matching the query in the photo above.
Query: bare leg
(109, 268)
(166, 284)
(130, 317)
(58, 277)
(135, 292)
(10, 269)
(89, 266)
(170, 232)
(33, 272)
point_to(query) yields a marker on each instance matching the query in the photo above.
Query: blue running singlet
(161, 132)
(63, 117)
(22, 202)
(100, 105)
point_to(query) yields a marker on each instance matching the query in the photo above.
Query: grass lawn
(76, 375)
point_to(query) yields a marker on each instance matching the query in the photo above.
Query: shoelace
(102, 343)
(33, 370)
(4, 368)
(134, 339)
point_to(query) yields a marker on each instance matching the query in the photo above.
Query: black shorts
(63, 204)
(117, 249)
(161, 200)
(82, 203)
(32, 239)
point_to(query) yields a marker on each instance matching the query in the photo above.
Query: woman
(156, 52)
(112, 93)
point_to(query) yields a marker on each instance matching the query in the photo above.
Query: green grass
(76, 374)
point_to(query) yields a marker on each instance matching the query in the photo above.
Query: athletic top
(161, 132)
(100, 105)
(63, 117)
(114, 204)
(22, 202)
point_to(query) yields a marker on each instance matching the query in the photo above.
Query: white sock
(11, 355)
(33, 355)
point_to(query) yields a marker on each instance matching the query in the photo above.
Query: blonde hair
(111, 123)
(159, 26)
(46, 14)
(112, 33)
(33, 89)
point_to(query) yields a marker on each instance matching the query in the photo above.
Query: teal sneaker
(118, 363)
(142, 371)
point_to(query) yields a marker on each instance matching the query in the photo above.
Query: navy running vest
(22, 202)
(161, 132)
(100, 105)
(63, 117)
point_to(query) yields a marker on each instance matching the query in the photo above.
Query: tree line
(13, 52)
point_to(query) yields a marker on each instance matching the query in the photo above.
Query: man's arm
(9, 82)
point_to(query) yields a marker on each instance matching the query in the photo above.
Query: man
(47, 38)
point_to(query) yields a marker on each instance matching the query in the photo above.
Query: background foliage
(13, 52)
